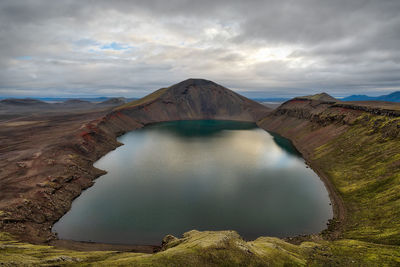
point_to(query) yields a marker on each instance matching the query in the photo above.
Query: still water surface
(172, 177)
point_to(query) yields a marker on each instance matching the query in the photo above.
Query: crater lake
(172, 177)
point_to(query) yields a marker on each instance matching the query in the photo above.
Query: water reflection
(285, 144)
(199, 128)
(208, 175)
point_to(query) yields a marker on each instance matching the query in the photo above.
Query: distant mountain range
(49, 104)
(393, 97)
(65, 99)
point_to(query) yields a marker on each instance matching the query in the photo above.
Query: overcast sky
(259, 48)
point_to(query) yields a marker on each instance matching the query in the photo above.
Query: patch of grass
(220, 248)
(13, 253)
(223, 248)
(353, 253)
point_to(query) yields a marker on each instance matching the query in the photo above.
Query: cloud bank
(259, 48)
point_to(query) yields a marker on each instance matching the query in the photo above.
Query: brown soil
(44, 164)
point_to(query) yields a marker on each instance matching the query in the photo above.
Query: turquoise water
(172, 177)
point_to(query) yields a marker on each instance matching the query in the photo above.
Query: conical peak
(194, 82)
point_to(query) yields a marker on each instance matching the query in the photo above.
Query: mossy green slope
(223, 248)
(364, 165)
(320, 97)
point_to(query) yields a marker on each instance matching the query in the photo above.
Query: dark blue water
(172, 177)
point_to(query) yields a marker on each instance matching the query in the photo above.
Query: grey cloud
(342, 47)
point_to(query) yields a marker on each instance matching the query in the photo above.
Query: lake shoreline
(200, 149)
(335, 226)
(102, 130)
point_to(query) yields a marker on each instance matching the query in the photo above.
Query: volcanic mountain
(192, 99)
